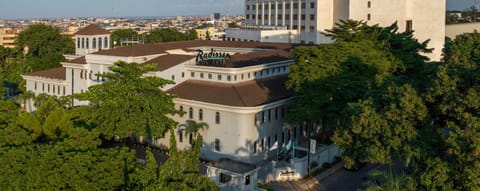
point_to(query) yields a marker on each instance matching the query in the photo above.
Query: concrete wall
(428, 18)
(451, 31)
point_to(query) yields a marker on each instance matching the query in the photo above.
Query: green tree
(192, 35)
(45, 45)
(122, 34)
(165, 35)
(129, 103)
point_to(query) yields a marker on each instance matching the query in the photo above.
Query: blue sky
(21, 9)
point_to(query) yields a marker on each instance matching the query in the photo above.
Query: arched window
(83, 42)
(99, 42)
(217, 118)
(105, 45)
(200, 114)
(180, 136)
(190, 113)
(86, 46)
(94, 43)
(181, 109)
(78, 42)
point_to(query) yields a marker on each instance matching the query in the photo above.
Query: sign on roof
(213, 58)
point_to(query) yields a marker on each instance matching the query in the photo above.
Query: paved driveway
(341, 180)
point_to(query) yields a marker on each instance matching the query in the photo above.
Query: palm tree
(193, 127)
(23, 98)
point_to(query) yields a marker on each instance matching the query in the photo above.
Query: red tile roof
(168, 61)
(92, 30)
(80, 60)
(244, 94)
(55, 73)
(161, 48)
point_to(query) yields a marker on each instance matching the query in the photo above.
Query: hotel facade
(303, 21)
(237, 88)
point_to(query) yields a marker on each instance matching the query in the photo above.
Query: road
(341, 180)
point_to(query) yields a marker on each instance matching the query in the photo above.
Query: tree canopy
(128, 103)
(388, 103)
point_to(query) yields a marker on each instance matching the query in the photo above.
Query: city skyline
(123, 8)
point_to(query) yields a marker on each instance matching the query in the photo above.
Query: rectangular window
(217, 117)
(217, 144)
(312, 5)
(369, 17)
(269, 115)
(312, 29)
(279, 16)
(295, 5)
(180, 136)
(219, 77)
(229, 78)
(287, 6)
(201, 75)
(409, 26)
(192, 74)
(295, 17)
(210, 76)
(276, 113)
(248, 7)
(312, 17)
(225, 178)
(247, 180)
(247, 16)
(303, 6)
(255, 147)
(262, 144)
(369, 4)
(35, 85)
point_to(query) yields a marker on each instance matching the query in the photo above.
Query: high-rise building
(302, 21)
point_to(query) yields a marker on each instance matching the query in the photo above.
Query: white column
(269, 13)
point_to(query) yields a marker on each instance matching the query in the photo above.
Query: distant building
(215, 17)
(303, 21)
(8, 37)
(205, 33)
(453, 30)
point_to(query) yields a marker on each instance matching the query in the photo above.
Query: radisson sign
(212, 58)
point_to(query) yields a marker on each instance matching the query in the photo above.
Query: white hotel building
(242, 98)
(303, 21)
